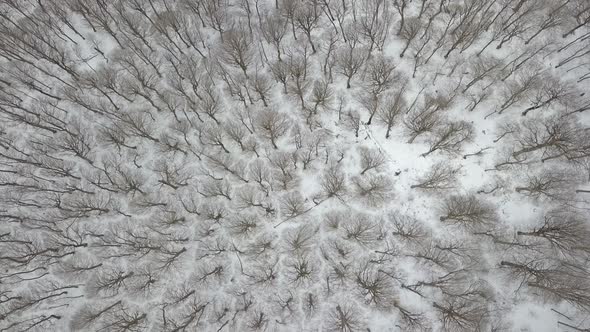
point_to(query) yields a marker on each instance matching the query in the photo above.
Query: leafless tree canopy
(294, 165)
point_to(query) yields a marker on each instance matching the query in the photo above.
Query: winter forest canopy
(294, 165)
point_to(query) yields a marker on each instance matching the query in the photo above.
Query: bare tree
(280, 72)
(555, 15)
(216, 15)
(212, 135)
(300, 240)
(370, 159)
(373, 190)
(581, 17)
(292, 204)
(88, 315)
(322, 96)
(262, 86)
(283, 169)
(407, 228)
(440, 176)
(302, 271)
(551, 184)
(477, 99)
(391, 109)
(460, 313)
(370, 103)
(273, 125)
(420, 121)
(237, 48)
(237, 133)
(216, 188)
(349, 61)
(375, 286)
(333, 183)
(552, 90)
(345, 318)
(298, 66)
(306, 18)
(361, 229)
(450, 137)
(172, 175)
(373, 20)
(520, 88)
(329, 60)
(556, 280)
(381, 74)
(470, 23)
(409, 31)
(352, 120)
(481, 68)
(469, 211)
(563, 230)
(553, 136)
(288, 10)
(274, 29)
(401, 6)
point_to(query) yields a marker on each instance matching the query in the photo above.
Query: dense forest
(294, 165)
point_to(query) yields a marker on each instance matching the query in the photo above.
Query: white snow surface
(165, 225)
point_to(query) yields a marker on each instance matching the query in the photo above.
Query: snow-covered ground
(237, 165)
